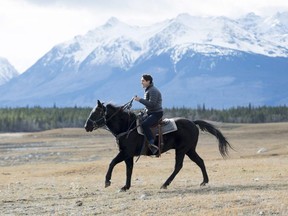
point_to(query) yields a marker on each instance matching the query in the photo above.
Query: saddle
(164, 126)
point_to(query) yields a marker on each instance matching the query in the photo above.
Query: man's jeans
(151, 120)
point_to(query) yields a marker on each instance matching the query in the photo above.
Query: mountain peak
(282, 17)
(7, 71)
(282, 14)
(183, 17)
(251, 15)
(112, 21)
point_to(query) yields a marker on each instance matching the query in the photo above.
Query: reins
(126, 106)
(128, 131)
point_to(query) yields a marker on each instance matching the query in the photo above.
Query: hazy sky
(30, 28)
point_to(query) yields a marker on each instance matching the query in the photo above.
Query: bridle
(103, 114)
(102, 118)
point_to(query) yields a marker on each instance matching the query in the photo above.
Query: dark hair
(148, 77)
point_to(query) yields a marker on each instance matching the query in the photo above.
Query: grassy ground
(61, 172)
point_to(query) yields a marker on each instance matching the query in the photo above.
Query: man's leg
(151, 120)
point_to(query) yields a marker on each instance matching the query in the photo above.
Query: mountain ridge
(218, 52)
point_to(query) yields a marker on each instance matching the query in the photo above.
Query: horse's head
(96, 118)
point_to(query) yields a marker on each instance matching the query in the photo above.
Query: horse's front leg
(119, 158)
(129, 169)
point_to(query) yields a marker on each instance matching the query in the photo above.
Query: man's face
(145, 83)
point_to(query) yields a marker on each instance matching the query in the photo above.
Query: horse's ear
(99, 103)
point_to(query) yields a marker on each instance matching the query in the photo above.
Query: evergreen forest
(30, 119)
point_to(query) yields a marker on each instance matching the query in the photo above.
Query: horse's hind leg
(178, 166)
(192, 154)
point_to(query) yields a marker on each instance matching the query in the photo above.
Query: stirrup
(153, 148)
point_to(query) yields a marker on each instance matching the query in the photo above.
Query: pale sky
(30, 28)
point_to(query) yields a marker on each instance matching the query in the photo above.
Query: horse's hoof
(163, 187)
(203, 184)
(124, 189)
(107, 184)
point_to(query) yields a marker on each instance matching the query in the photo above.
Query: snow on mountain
(119, 44)
(213, 60)
(7, 71)
(273, 30)
(127, 43)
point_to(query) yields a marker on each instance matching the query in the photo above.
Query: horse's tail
(223, 143)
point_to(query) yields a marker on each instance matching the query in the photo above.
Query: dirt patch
(61, 172)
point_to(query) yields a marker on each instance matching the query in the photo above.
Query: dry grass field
(61, 172)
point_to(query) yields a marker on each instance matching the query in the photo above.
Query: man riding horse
(153, 103)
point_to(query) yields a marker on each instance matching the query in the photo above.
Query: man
(153, 103)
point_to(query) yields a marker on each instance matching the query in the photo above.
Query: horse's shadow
(226, 189)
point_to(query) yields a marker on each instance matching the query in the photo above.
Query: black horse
(122, 124)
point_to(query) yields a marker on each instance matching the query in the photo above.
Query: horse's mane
(113, 106)
(117, 107)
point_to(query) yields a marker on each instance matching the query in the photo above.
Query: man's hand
(136, 98)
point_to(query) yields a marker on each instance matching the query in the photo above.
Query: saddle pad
(167, 126)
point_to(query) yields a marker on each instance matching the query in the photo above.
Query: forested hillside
(30, 119)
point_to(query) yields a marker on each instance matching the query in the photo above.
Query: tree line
(38, 119)
(29, 119)
(250, 114)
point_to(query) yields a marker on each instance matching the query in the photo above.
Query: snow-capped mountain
(213, 60)
(7, 71)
